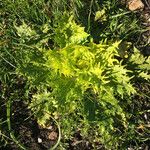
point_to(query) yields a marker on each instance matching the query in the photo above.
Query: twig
(148, 5)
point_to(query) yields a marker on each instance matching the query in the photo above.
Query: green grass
(102, 20)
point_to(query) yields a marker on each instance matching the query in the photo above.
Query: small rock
(135, 5)
(145, 116)
(50, 127)
(39, 140)
(53, 135)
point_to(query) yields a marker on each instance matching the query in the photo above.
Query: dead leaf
(135, 5)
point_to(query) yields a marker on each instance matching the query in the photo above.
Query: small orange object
(135, 5)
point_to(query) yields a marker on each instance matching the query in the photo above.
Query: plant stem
(9, 126)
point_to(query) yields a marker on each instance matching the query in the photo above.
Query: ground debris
(134, 5)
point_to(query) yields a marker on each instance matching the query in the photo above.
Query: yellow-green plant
(79, 83)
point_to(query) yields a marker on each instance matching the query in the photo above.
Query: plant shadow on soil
(34, 137)
(29, 133)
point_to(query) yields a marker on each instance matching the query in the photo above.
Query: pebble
(134, 5)
(39, 140)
